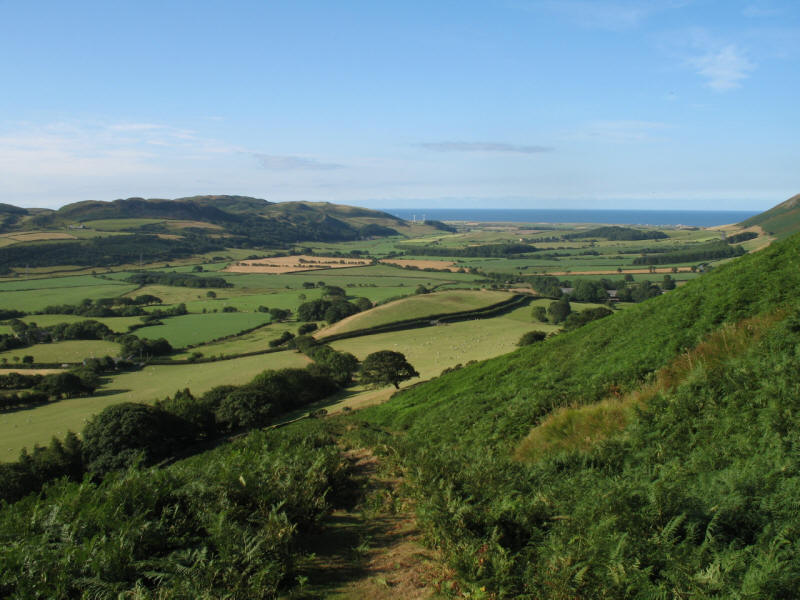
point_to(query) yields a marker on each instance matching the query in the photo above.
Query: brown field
(169, 236)
(442, 265)
(293, 264)
(195, 224)
(35, 236)
(30, 371)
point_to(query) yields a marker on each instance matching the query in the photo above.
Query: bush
(126, 434)
(531, 337)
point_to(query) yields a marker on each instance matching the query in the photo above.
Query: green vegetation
(781, 220)
(223, 525)
(615, 233)
(692, 495)
(196, 329)
(386, 367)
(63, 352)
(417, 306)
(22, 429)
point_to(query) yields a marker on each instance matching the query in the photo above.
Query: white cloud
(501, 147)
(724, 68)
(273, 162)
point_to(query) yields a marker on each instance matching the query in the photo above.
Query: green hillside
(690, 493)
(781, 220)
(96, 233)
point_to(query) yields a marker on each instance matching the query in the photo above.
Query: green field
(418, 305)
(24, 428)
(74, 281)
(71, 351)
(37, 299)
(432, 349)
(116, 324)
(193, 329)
(255, 341)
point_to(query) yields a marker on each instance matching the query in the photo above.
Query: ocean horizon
(695, 218)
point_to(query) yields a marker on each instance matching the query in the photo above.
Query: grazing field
(70, 351)
(291, 264)
(24, 428)
(418, 305)
(36, 299)
(432, 349)
(69, 281)
(254, 341)
(198, 328)
(116, 324)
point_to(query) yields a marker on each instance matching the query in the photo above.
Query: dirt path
(370, 550)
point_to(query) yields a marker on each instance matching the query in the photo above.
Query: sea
(696, 218)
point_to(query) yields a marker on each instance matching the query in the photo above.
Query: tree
(27, 360)
(386, 366)
(211, 294)
(540, 314)
(559, 310)
(668, 284)
(123, 434)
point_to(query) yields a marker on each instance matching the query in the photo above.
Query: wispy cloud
(484, 147)
(723, 64)
(273, 162)
(724, 68)
(606, 14)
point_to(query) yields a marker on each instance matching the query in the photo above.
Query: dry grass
(581, 427)
(192, 224)
(294, 264)
(36, 236)
(440, 265)
(30, 371)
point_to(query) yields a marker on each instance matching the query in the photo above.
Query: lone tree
(386, 366)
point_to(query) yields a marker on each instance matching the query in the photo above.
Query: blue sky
(654, 104)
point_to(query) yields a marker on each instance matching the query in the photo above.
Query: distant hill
(781, 220)
(115, 232)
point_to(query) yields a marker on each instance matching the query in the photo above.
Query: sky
(652, 104)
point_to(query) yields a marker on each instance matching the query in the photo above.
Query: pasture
(116, 324)
(416, 306)
(24, 428)
(38, 298)
(194, 329)
(433, 349)
(70, 351)
(254, 341)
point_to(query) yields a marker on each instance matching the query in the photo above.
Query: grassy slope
(70, 351)
(781, 220)
(419, 305)
(588, 525)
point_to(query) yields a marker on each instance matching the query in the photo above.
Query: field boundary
(493, 310)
